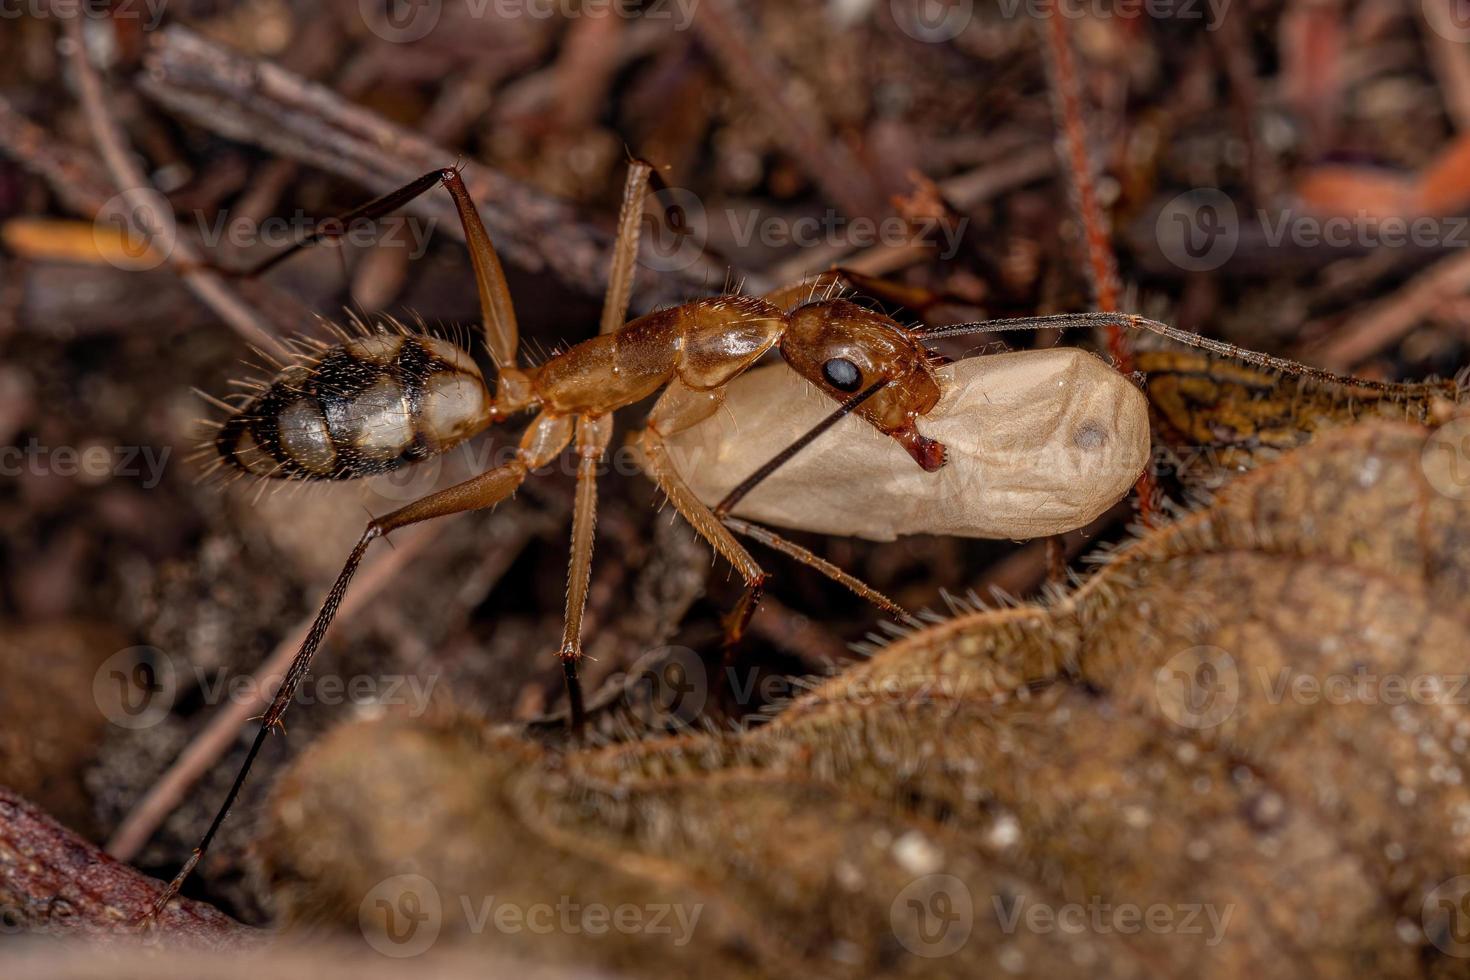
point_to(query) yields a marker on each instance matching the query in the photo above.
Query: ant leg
(502, 335)
(501, 331)
(547, 436)
(593, 435)
(862, 589)
(624, 263)
(678, 408)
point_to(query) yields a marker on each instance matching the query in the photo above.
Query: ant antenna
(777, 461)
(1132, 321)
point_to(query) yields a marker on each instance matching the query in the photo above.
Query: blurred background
(1289, 176)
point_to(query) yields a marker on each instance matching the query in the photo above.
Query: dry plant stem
(62, 886)
(111, 143)
(74, 174)
(1066, 92)
(260, 103)
(1102, 265)
(842, 177)
(1385, 322)
(965, 191)
(223, 730)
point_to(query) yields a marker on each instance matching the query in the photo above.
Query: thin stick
(842, 177)
(259, 102)
(1387, 320)
(1066, 91)
(111, 143)
(223, 730)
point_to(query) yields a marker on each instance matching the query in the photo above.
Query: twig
(965, 191)
(74, 174)
(1102, 264)
(128, 177)
(57, 884)
(1386, 321)
(1066, 93)
(842, 177)
(261, 103)
(223, 730)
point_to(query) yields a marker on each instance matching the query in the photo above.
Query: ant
(387, 398)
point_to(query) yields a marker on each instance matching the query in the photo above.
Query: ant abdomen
(366, 406)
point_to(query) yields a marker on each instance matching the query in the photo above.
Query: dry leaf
(1157, 775)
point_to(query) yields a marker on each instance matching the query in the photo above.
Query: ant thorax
(365, 406)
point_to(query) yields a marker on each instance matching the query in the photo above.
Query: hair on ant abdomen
(367, 405)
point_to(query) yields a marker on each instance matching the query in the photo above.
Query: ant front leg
(547, 436)
(593, 435)
(678, 408)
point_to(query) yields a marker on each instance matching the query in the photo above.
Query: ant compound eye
(842, 374)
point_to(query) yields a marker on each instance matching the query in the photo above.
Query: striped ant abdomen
(368, 405)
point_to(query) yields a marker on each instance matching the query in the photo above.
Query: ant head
(843, 349)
